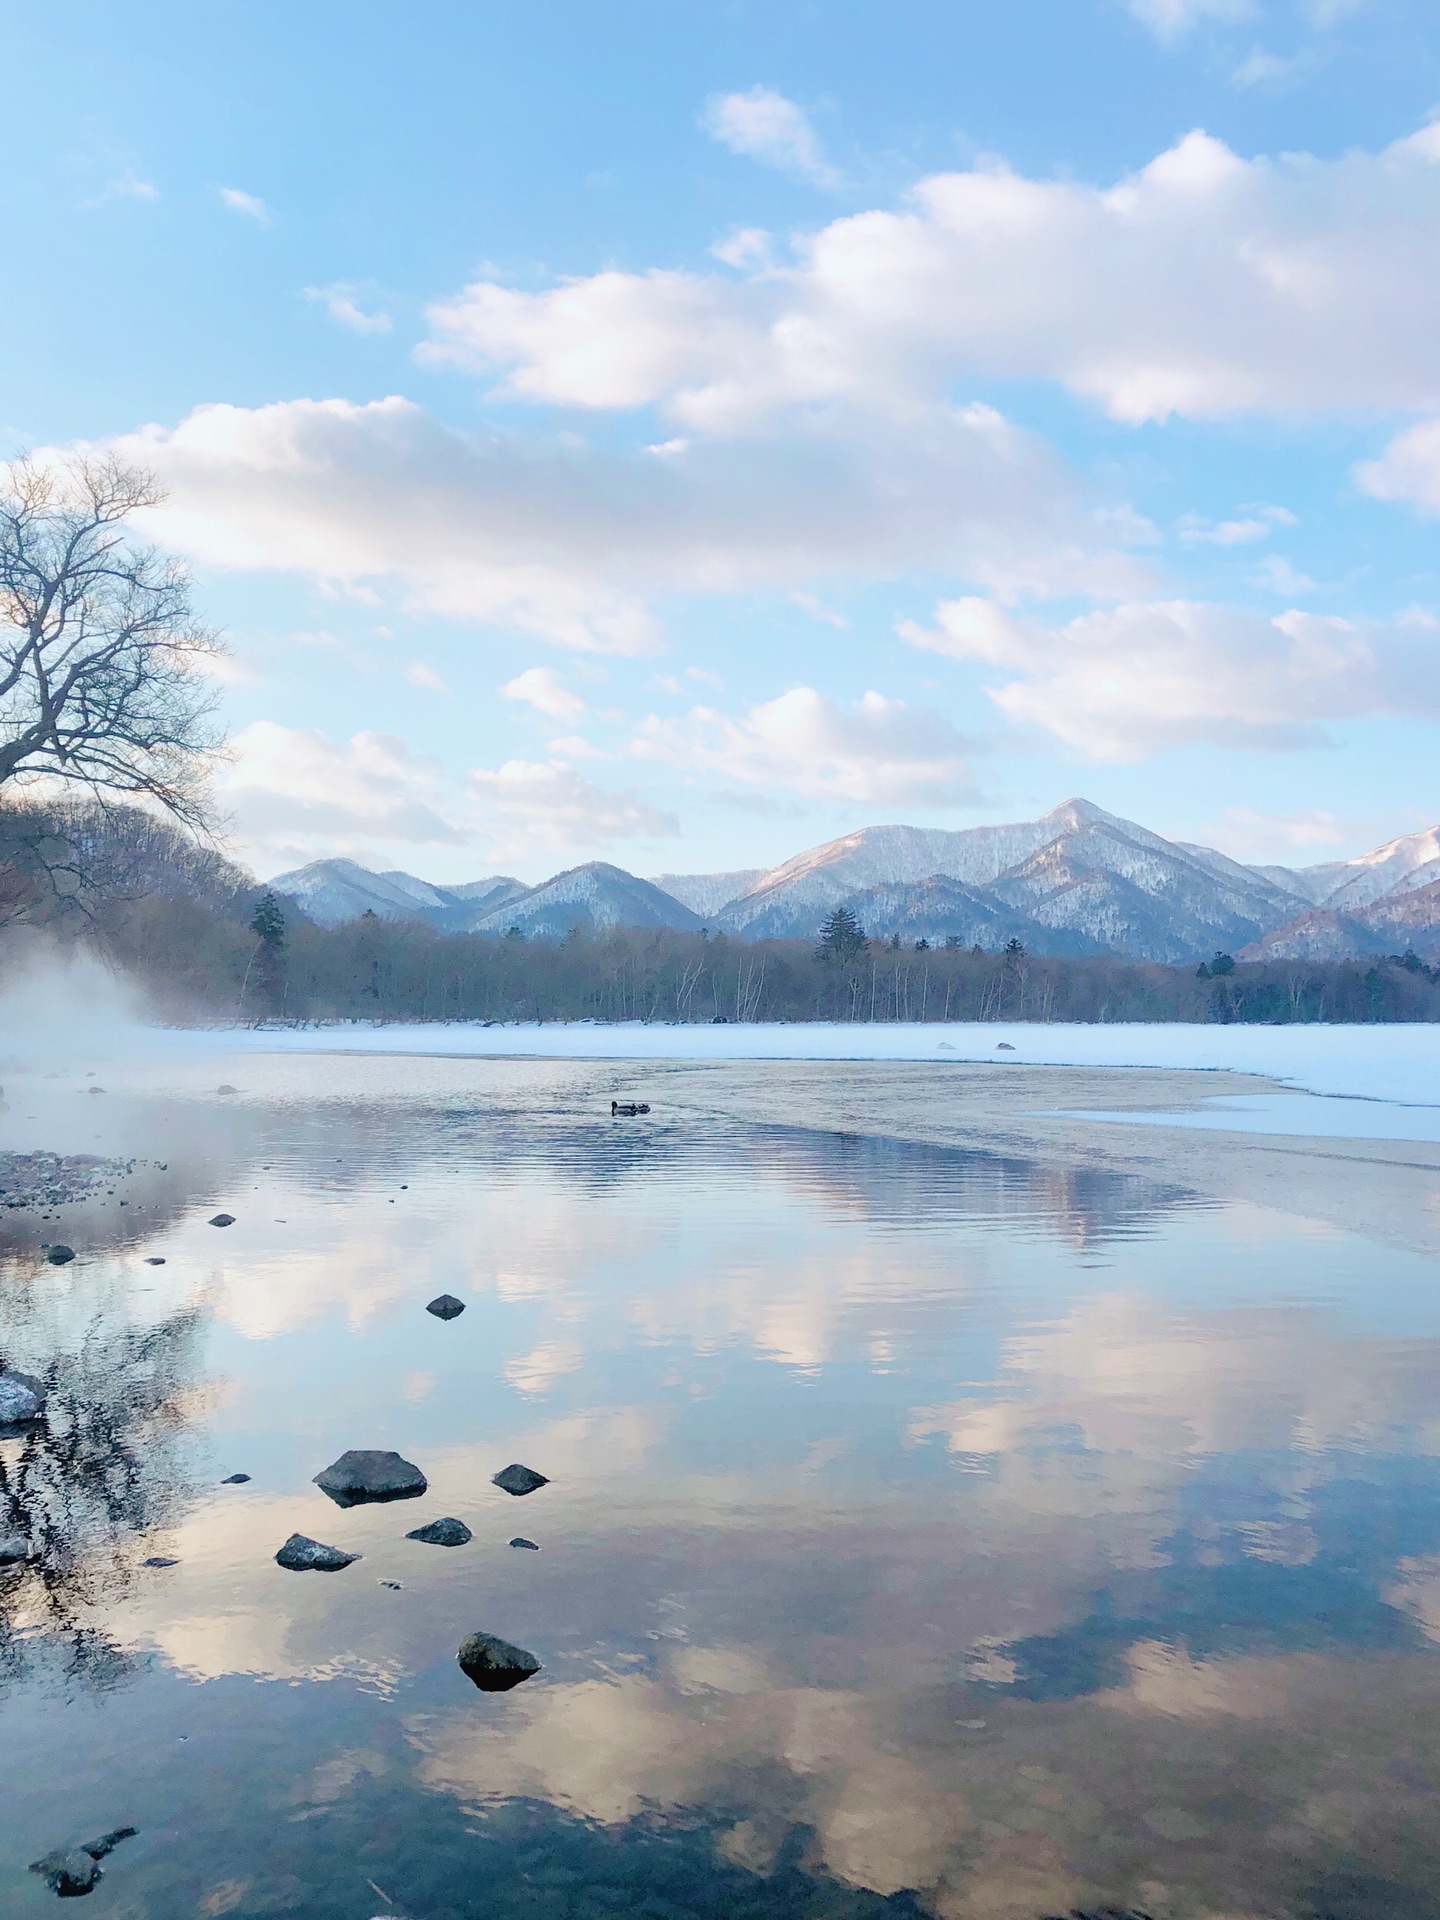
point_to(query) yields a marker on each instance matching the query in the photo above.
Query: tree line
(206, 944)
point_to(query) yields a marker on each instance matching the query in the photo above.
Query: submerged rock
(161, 1560)
(520, 1541)
(60, 1256)
(443, 1533)
(227, 1089)
(235, 1480)
(222, 1220)
(363, 1474)
(70, 1871)
(518, 1480)
(14, 1548)
(155, 1260)
(494, 1664)
(446, 1307)
(300, 1554)
(22, 1398)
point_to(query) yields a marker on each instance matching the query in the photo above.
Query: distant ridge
(331, 892)
(594, 898)
(1079, 880)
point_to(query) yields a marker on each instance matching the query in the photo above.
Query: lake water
(927, 1533)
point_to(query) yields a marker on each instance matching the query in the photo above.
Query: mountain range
(1077, 881)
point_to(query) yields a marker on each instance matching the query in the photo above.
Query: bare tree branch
(101, 653)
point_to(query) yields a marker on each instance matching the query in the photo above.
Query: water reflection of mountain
(347, 1144)
(87, 1485)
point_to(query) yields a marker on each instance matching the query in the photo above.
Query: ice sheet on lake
(1306, 1115)
(1377, 1063)
(1395, 1065)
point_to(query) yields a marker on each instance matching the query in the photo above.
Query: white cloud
(573, 542)
(1134, 679)
(1256, 522)
(128, 186)
(878, 752)
(765, 126)
(419, 675)
(1171, 19)
(1262, 69)
(1205, 285)
(340, 302)
(545, 807)
(1408, 470)
(298, 796)
(543, 689)
(248, 204)
(1277, 576)
(748, 247)
(295, 796)
(1324, 14)
(1247, 835)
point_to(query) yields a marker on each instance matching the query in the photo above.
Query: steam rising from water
(62, 1010)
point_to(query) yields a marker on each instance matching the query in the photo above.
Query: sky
(681, 435)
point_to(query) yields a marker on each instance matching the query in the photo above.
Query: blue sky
(681, 435)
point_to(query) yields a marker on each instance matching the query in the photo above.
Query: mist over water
(927, 1532)
(61, 1009)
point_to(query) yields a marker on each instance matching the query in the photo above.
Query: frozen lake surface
(1361, 1074)
(927, 1532)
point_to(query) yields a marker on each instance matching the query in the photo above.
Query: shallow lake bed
(930, 1528)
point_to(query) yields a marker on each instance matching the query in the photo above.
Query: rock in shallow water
(60, 1256)
(161, 1560)
(362, 1474)
(22, 1398)
(518, 1480)
(300, 1554)
(443, 1533)
(446, 1307)
(222, 1220)
(494, 1664)
(235, 1480)
(521, 1541)
(14, 1548)
(71, 1871)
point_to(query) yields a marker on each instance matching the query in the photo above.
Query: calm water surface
(927, 1533)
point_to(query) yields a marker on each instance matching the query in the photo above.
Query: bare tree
(100, 648)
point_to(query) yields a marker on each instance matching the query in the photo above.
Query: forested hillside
(205, 943)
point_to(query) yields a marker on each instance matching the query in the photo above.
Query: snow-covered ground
(1390, 1065)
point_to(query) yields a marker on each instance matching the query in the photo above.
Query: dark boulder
(493, 1664)
(521, 1541)
(235, 1480)
(362, 1475)
(161, 1560)
(22, 1398)
(155, 1260)
(443, 1533)
(222, 1220)
(446, 1307)
(518, 1480)
(71, 1871)
(300, 1554)
(60, 1256)
(14, 1549)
